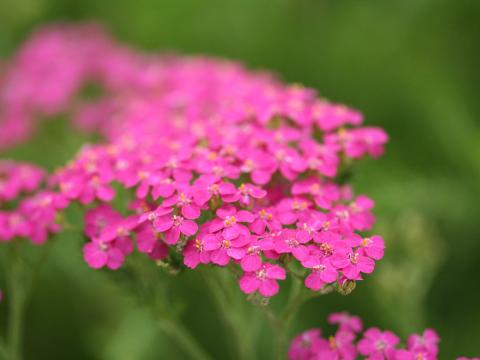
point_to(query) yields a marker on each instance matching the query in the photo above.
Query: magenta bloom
(184, 199)
(352, 264)
(376, 344)
(373, 247)
(320, 157)
(290, 243)
(251, 259)
(113, 242)
(229, 220)
(174, 225)
(86, 188)
(98, 218)
(346, 322)
(195, 253)
(98, 255)
(39, 213)
(290, 210)
(265, 219)
(365, 140)
(404, 354)
(323, 194)
(322, 273)
(338, 347)
(245, 194)
(207, 187)
(149, 242)
(305, 346)
(259, 165)
(222, 249)
(17, 178)
(427, 342)
(264, 280)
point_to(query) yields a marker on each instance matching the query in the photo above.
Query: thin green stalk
(295, 300)
(182, 336)
(220, 289)
(139, 282)
(280, 324)
(16, 295)
(3, 351)
(21, 278)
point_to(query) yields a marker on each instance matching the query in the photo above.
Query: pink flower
(173, 225)
(17, 178)
(373, 247)
(264, 280)
(98, 255)
(338, 347)
(150, 242)
(366, 140)
(352, 264)
(305, 346)
(184, 199)
(259, 165)
(403, 354)
(322, 273)
(207, 187)
(229, 220)
(290, 243)
(323, 194)
(40, 212)
(245, 194)
(289, 161)
(265, 219)
(376, 344)
(320, 157)
(361, 141)
(329, 116)
(222, 249)
(427, 342)
(251, 260)
(109, 234)
(195, 253)
(346, 322)
(98, 218)
(289, 210)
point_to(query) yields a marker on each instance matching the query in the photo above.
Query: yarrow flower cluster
(213, 164)
(222, 165)
(27, 210)
(352, 342)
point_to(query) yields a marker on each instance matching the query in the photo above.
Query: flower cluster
(349, 342)
(17, 178)
(218, 164)
(27, 210)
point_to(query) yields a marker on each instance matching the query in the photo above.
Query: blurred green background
(411, 66)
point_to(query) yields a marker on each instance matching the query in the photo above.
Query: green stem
(296, 299)
(21, 278)
(3, 351)
(220, 288)
(141, 283)
(281, 324)
(16, 295)
(182, 336)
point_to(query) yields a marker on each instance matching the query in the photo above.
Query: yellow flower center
(230, 220)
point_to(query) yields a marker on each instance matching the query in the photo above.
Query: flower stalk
(17, 300)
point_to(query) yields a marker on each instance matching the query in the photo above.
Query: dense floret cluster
(27, 210)
(221, 165)
(350, 341)
(201, 162)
